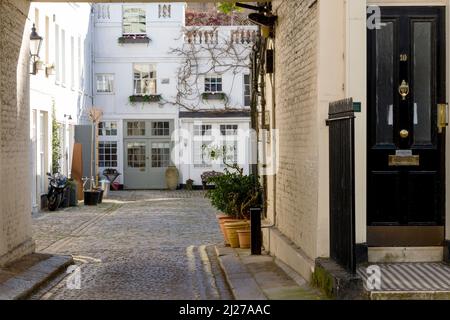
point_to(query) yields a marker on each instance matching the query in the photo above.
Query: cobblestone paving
(136, 245)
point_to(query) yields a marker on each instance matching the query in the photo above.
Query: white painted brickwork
(15, 205)
(296, 120)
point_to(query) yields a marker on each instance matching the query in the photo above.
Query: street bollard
(255, 220)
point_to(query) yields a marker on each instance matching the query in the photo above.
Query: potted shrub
(189, 184)
(234, 194)
(73, 192)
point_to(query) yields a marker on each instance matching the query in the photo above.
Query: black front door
(406, 83)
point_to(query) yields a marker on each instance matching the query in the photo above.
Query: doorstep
(262, 277)
(22, 277)
(407, 281)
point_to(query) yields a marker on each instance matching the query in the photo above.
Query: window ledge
(134, 39)
(145, 98)
(214, 96)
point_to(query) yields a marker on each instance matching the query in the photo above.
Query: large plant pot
(232, 228)
(222, 219)
(73, 198)
(244, 236)
(91, 198)
(172, 177)
(65, 199)
(100, 195)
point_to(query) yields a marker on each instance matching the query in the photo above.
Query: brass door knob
(404, 134)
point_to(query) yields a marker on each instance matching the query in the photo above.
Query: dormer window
(134, 21)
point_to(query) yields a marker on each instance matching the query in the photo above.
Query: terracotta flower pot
(222, 227)
(244, 238)
(231, 230)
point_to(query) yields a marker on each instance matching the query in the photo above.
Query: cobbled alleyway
(136, 245)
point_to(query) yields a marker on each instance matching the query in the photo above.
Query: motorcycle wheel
(54, 201)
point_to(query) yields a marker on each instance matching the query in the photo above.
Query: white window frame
(135, 16)
(63, 58)
(57, 55)
(109, 147)
(249, 85)
(216, 83)
(229, 134)
(105, 76)
(72, 63)
(202, 137)
(152, 78)
(107, 126)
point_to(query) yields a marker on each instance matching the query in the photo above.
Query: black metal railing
(341, 123)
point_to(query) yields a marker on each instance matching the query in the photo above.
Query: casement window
(201, 144)
(107, 154)
(136, 154)
(133, 21)
(160, 154)
(204, 130)
(80, 64)
(107, 128)
(105, 83)
(228, 129)
(213, 84)
(72, 62)
(136, 128)
(247, 91)
(160, 128)
(144, 76)
(47, 40)
(229, 133)
(57, 61)
(63, 57)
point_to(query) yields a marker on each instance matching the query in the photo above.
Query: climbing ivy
(56, 142)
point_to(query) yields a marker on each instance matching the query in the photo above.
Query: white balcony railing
(217, 35)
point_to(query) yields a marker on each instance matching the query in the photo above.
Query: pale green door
(147, 153)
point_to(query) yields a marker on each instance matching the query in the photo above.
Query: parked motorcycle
(57, 185)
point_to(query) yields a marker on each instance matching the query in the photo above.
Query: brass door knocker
(403, 89)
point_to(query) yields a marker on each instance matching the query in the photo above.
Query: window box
(134, 39)
(145, 98)
(214, 96)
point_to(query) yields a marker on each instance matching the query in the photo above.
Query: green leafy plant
(214, 96)
(56, 143)
(189, 184)
(145, 98)
(228, 7)
(235, 193)
(71, 184)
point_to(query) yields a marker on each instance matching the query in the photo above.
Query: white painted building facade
(62, 83)
(145, 127)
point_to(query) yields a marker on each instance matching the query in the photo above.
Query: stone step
(21, 278)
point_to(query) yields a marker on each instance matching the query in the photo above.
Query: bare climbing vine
(205, 52)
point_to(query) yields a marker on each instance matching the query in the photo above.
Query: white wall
(71, 97)
(166, 34)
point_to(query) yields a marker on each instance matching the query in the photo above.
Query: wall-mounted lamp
(262, 19)
(35, 47)
(265, 21)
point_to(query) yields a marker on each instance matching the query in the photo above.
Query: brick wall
(15, 204)
(296, 119)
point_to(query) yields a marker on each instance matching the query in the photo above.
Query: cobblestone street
(136, 245)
